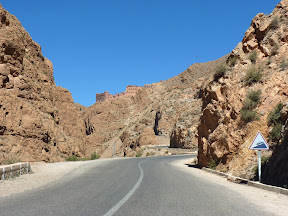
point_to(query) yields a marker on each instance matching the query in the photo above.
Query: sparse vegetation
(264, 160)
(248, 115)
(253, 56)
(139, 153)
(212, 164)
(275, 134)
(232, 61)
(274, 119)
(251, 101)
(220, 71)
(94, 156)
(72, 158)
(274, 23)
(253, 75)
(150, 154)
(274, 116)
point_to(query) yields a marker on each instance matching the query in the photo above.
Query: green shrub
(252, 99)
(232, 61)
(139, 153)
(254, 95)
(264, 160)
(220, 71)
(212, 164)
(249, 104)
(274, 116)
(94, 156)
(253, 75)
(248, 115)
(274, 23)
(275, 134)
(72, 158)
(253, 56)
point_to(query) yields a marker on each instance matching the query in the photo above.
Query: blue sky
(99, 45)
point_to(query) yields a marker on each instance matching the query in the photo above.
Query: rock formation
(34, 114)
(223, 134)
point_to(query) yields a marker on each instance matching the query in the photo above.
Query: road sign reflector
(259, 143)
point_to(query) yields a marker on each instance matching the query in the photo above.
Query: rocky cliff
(35, 115)
(239, 102)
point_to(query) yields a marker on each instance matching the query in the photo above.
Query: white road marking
(128, 195)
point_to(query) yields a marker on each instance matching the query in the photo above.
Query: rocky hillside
(38, 121)
(249, 95)
(171, 109)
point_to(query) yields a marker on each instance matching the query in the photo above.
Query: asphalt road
(136, 186)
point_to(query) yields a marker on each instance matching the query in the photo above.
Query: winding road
(134, 186)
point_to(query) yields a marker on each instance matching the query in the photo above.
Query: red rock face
(35, 115)
(222, 135)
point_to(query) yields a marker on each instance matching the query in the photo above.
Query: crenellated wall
(130, 91)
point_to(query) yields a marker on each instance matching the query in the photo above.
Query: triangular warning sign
(259, 143)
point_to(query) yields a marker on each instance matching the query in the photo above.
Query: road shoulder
(272, 202)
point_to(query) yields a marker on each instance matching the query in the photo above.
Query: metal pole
(259, 165)
(114, 149)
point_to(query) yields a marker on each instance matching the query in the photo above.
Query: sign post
(114, 149)
(259, 165)
(259, 143)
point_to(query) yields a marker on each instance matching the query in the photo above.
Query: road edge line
(129, 194)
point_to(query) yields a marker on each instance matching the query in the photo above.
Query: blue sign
(259, 143)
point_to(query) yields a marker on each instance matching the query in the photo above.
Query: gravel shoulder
(276, 204)
(42, 174)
